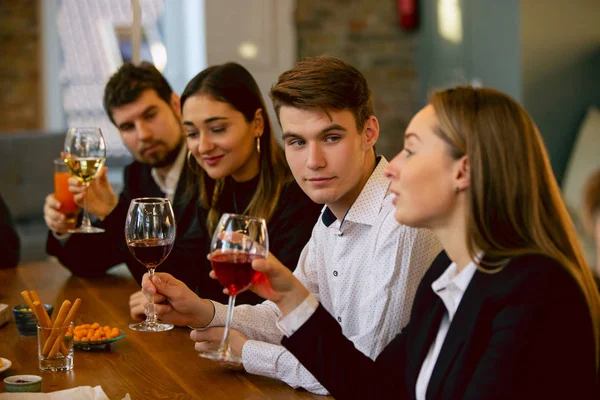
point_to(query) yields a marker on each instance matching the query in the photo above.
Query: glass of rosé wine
(236, 242)
(150, 233)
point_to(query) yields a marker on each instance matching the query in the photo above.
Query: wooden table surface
(160, 365)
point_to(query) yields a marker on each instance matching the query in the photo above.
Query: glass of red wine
(150, 233)
(236, 242)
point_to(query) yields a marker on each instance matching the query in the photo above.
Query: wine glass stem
(224, 348)
(86, 218)
(151, 311)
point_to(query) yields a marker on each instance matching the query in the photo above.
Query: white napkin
(78, 393)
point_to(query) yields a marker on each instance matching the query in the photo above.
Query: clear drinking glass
(53, 359)
(236, 242)
(61, 192)
(84, 155)
(150, 234)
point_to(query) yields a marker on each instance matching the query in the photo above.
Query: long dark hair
(233, 84)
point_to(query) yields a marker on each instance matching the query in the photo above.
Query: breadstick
(45, 322)
(34, 296)
(68, 319)
(58, 323)
(29, 302)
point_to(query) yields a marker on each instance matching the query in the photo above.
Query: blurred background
(56, 56)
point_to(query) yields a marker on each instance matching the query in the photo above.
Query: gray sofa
(25, 181)
(26, 178)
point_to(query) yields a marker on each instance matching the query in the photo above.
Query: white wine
(85, 168)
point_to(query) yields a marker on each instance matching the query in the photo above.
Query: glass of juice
(62, 193)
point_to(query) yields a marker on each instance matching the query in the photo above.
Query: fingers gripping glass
(150, 233)
(84, 155)
(236, 242)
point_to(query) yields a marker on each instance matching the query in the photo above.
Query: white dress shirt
(364, 270)
(450, 287)
(168, 184)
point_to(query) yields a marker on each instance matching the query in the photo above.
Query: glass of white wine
(84, 155)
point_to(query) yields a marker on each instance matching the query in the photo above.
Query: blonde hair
(516, 207)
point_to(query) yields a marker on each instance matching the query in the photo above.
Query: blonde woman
(508, 310)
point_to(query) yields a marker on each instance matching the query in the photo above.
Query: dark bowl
(25, 319)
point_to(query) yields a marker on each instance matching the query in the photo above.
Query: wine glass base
(226, 359)
(146, 326)
(86, 229)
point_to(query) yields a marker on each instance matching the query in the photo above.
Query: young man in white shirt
(359, 263)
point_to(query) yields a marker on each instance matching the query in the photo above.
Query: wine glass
(84, 155)
(236, 242)
(150, 233)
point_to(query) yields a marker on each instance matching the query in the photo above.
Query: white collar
(168, 185)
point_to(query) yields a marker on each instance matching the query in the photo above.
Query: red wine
(150, 252)
(234, 270)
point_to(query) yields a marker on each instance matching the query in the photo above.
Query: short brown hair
(130, 81)
(327, 83)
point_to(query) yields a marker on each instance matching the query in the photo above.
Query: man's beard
(169, 158)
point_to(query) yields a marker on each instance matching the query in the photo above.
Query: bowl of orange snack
(87, 336)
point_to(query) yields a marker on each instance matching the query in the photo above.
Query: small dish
(23, 383)
(4, 364)
(26, 320)
(97, 343)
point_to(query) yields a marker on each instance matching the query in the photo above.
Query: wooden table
(146, 365)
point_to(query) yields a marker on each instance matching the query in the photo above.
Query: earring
(258, 144)
(192, 166)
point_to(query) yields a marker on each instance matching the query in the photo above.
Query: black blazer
(523, 333)
(9, 239)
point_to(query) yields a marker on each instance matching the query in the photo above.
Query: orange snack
(93, 332)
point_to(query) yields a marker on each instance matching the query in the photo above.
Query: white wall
(560, 52)
(200, 33)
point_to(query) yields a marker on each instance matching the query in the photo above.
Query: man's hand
(55, 220)
(175, 302)
(276, 283)
(101, 198)
(209, 340)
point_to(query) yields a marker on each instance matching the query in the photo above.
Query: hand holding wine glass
(150, 234)
(84, 155)
(237, 241)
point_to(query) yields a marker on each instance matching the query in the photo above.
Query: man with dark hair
(359, 262)
(142, 105)
(9, 239)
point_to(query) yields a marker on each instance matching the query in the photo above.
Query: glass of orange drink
(62, 193)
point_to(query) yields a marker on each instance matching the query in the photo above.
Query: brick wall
(366, 34)
(20, 80)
